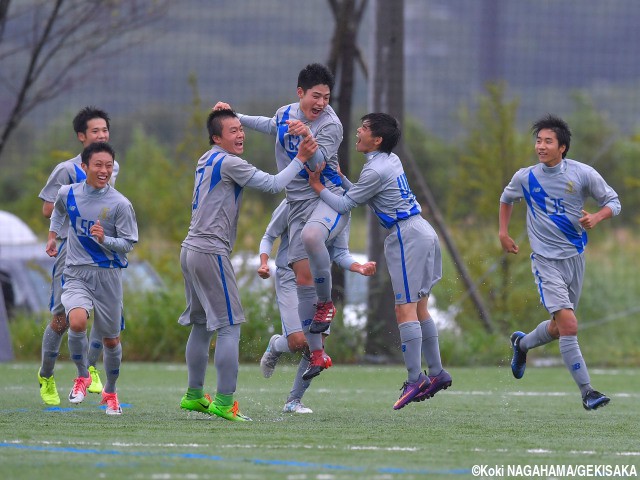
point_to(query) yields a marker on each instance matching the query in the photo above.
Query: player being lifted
(411, 250)
(312, 224)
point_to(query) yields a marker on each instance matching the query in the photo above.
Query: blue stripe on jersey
(387, 221)
(331, 175)
(226, 291)
(283, 128)
(566, 227)
(90, 246)
(407, 293)
(216, 176)
(527, 199)
(117, 262)
(200, 172)
(80, 175)
(403, 215)
(539, 196)
(72, 209)
(237, 191)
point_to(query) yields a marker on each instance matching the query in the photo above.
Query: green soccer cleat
(48, 390)
(96, 383)
(199, 405)
(230, 412)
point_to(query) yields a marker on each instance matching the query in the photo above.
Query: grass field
(486, 418)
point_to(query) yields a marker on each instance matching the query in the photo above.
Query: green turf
(487, 417)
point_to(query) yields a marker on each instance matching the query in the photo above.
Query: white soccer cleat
(79, 390)
(269, 358)
(296, 406)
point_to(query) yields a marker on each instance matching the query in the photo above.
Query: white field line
(288, 447)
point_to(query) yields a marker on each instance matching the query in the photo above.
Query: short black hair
(96, 147)
(315, 74)
(385, 126)
(81, 120)
(214, 122)
(559, 126)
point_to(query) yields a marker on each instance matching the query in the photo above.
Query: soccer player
(91, 125)
(213, 300)
(555, 190)
(412, 250)
(293, 332)
(312, 224)
(102, 231)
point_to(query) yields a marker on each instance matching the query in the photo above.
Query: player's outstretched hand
(366, 269)
(221, 106)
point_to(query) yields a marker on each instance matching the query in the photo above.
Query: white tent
(14, 231)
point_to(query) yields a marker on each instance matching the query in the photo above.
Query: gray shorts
(559, 282)
(307, 211)
(97, 289)
(413, 258)
(55, 302)
(210, 289)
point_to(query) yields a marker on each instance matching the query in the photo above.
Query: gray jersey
(327, 131)
(555, 197)
(65, 173)
(84, 206)
(217, 195)
(384, 185)
(338, 249)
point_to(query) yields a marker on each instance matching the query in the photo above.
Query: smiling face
(314, 100)
(232, 138)
(366, 142)
(97, 131)
(548, 148)
(99, 169)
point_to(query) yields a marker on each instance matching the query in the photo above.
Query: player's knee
(59, 323)
(313, 236)
(78, 319)
(296, 342)
(308, 237)
(111, 342)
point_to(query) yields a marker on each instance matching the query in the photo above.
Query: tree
(47, 46)
(343, 56)
(386, 95)
(491, 153)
